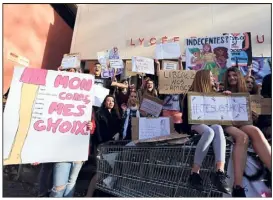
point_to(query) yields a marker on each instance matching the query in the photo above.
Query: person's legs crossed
(61, 173)
(74, 172)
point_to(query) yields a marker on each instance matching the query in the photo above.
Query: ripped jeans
(65, 175)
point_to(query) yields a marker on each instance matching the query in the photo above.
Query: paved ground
(26, 185)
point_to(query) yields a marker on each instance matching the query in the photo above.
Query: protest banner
(143, 65)
(241, 49)
(46, 116)
(170, 65)
(175, 81)
(99, 95)
(260, 68)
(116, 63)
(71, 61)
(214, 108)
(109, 73)
(212, 53)
(147, 128)
(151, 105)
(260, 105)
(167, 51)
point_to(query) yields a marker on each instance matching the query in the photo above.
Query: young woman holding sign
(234, 82)
(204, 83)
(128, 114)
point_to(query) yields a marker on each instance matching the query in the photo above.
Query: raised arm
(180, 64)
(158, 67)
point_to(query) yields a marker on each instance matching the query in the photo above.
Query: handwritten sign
(219, 109)
(153, 127)
(99, 95)
(260, 105)
(128, 69)
(167, 51)
(109, 73)
(103, 58)
(116, 63)
(169, 65)
(47, 111)
(143, 65)
(71, 61)
(175, 81)
(151, 105)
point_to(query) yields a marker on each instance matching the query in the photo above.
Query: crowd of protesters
(113, 121)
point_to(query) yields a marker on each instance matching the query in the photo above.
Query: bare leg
(239, 153)
(92, 186)
(260, 144)
(220, 166)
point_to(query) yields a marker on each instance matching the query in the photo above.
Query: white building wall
(101, 26)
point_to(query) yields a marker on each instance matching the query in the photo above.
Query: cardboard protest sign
(216, 108)
(173, 138)
(71, 61)
(241, 49)
(151, 105)
(128, 69)
(113, 53)
(103, 58)
(170, 65)
(116, 63)
(260, 105)
(148, 128)
(46, 116)
(212, 53)
(175, 81)
(99, 95)
(167, 51)
(143, 65)
(109, 73)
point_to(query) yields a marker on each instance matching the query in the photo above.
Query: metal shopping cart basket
(152, 170)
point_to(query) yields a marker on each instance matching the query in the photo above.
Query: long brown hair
(241, 83)
(202, 82)
(255, 86)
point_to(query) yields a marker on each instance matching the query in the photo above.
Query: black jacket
(107, 125)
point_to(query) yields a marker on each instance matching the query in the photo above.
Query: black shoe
(238, 191)
(219, 181)
(195, 181)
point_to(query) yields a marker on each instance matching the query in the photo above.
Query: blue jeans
(65, 175)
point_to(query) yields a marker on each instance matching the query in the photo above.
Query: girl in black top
(108, 121)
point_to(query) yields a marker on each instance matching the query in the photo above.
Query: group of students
(112, 121)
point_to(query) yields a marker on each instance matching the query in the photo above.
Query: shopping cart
(153, 170)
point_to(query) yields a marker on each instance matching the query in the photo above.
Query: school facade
(136, 28)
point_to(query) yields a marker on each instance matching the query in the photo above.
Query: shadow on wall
(57, 44)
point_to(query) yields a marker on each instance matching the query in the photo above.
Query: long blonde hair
(241, 83)
(201, 82)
